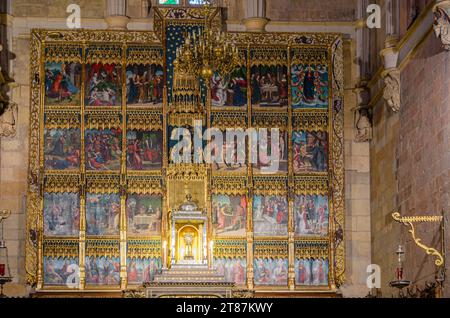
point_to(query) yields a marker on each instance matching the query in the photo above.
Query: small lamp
(5, 273)
(399, 282)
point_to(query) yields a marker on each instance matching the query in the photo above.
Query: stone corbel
(442, 22)
(391, 76)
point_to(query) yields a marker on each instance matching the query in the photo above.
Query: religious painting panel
(311, 214)
(61, 214)
(58, 271)
(234, 269)
(310, 151)
(230, 90)
(230, 215)
(144, 215)
(62, 84)
(145, 84)
(143, 269)
(269, 85)
(144, 150)
(268, 161)
(102, 270)
(270, 271)
(232, 156)
(270, 215)
(311, 271)
(62, 149)
(103, 149)
(310, 85)
(102, 214)
(103, 84)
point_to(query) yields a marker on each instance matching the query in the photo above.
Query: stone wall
(311, 11)
(423, 152)
(410, 164)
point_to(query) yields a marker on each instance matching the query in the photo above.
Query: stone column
(255, 16)
(442, 22)
(116, 14)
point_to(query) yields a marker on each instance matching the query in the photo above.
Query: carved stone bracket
(391, 92)
(442, 22)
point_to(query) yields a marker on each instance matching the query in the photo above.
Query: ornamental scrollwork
(55, 119)
(144, 120)
(311, 120)
(270, 249)
(270, 119)
(102, 247)
(309, 55)
(268, 56)
(144, 248)
(230, 248)
(273, 185)
(144, 185)
(311, 185)
(229, 185)
(62, 183)
(144, 54)
(63, 53)
(226, 119)
(312, 249)
(105, 36)
(97, 119)
(409, 221)
(61, 248)
(187, 172)
(102, 184)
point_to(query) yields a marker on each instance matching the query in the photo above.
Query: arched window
(181, 2)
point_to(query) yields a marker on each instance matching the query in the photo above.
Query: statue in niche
(363, 125)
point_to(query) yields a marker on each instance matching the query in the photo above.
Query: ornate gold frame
(114, 46)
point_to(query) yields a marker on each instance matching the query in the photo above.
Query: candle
(2, 269)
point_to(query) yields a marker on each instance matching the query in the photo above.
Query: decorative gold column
(291, 185)
(82, 235)
(123, 178)
(250, 275)
(40, 218)
(165, 209)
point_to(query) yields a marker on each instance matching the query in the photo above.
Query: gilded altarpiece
(102, 186)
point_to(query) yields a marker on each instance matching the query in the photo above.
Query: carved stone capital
(117, 22)
(391, 92)
(255, 24)
(442, 22)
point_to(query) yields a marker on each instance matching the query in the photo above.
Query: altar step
(195, 273)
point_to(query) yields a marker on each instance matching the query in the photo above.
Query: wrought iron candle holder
(439, 255)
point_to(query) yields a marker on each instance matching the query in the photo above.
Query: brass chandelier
(206, 52)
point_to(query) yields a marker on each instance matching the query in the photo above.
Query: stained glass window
(196, 2)
(169, 2)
